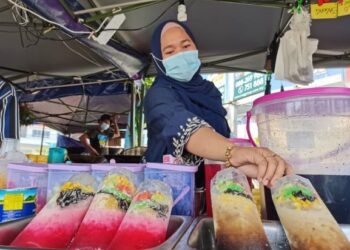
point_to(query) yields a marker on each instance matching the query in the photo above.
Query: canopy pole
(133, 111)
(42, 139)
(141, 116)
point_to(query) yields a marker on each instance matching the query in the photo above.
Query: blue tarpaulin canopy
(73, 105)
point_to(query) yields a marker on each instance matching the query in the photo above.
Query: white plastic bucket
(305, 126)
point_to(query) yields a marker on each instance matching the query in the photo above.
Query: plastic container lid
(172, 167)
(303, 92)
(108, 166)
(30, 167)
(102, 167)
(70, 167)
(132, 167)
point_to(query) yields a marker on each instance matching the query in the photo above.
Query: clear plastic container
(29, 175)
(99, 171)
(146, 221)
(237, 222)
(181, 180)
(307, 221)
(305, 126)
(60, 173)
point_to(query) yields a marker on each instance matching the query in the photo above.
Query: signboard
(325, 11)
(344, 8)
(328, 77)
(330, 10)
(247, 84)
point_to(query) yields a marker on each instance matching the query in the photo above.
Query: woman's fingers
(280, 170)
(289, 170)
(272, 166)
(261, 162)
(249, 170)
(269, 166)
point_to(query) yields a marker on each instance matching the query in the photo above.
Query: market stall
(148, 206)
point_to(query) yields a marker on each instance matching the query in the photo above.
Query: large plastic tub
(181, 180)
(60, 173)
(99, 171)
(305, 126)
(310, 128)
(212, 167)
(29, 175)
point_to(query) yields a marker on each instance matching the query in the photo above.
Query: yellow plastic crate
(32, 157)
(42, 159)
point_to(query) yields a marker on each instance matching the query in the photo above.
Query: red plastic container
(212, 167)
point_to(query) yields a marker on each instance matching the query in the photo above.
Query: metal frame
(112, 6)
(133, 112)
(276, 4)
(80, 109)
(78, 84)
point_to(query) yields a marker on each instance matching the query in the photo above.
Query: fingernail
(266, 181)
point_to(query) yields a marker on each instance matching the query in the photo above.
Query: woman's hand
(260, 163)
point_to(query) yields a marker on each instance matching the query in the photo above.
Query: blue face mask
(181, 66)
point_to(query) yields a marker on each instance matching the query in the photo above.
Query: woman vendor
(185, 116)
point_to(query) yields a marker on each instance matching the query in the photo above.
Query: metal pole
(42, 139)
(112, 6)
(78, 84)
(141, 116)
(132, 120)
(236, 57)
(233, 69)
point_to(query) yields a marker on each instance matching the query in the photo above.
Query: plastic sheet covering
(123, 58)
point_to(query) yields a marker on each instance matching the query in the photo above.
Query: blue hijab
(198, 91)
(198, 97)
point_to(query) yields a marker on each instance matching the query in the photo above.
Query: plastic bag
(9, 153)
(294, 58)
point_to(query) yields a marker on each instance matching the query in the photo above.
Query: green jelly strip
(289, 191)
(223, 186)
